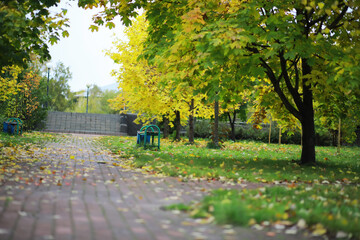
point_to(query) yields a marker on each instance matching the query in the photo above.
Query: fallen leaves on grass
(319, 209)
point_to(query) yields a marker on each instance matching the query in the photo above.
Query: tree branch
(297, 78)
(335, 23)
(295, 95)
(320, 19)
(320, 27)
(275, 82)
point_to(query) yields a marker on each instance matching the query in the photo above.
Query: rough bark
(191, 122)
(307, 120)
(166, 130)
(280, 134)
(216, 124)
(339, 137)
(270, 132)
(232, 125)
(177, 126)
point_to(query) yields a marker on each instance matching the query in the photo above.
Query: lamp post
(87, 97)
(47, 87)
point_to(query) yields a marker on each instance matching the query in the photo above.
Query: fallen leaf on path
(270, 234)
(319, 230)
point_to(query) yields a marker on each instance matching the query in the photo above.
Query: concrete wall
(105, 124)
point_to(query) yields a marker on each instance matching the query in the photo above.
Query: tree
(337, 107)
(106, 96)
(26, 101)
(60, 96)
(97, 102)
(283, 41)
(26, 27)
(137, 79)
(8, 82)
(145, 90)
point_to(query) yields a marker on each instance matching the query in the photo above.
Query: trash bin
(140, 138)
(5, 127)
(13, 126)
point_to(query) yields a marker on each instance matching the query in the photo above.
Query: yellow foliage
(140, 83)
(8, 82)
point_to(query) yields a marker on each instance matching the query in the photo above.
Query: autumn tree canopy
(298, 49)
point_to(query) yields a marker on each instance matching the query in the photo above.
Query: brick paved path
(74, 191)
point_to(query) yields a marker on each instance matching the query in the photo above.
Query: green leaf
(65, 34)
(110, 25)
(94, 28)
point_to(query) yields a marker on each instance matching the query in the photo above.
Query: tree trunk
(232, 125)
(303, 100)
(279, 134)
(270, 133)
(308, 141)
(307, 121)
(216, 124)
(191, 122)
(166, 127)
(177, 126)
(339, 137)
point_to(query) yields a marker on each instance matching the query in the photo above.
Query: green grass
(251, 161)
(335, 207)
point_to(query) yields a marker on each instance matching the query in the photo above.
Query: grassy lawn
(240, 161)
(323, 199)
(331, 209)
(26, 139)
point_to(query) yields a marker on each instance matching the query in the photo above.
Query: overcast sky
(83, 50)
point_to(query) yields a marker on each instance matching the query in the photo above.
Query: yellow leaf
(319, 230)
(72, 157)
(251, 222)
(326, 30)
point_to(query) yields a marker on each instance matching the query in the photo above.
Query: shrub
(203, 129)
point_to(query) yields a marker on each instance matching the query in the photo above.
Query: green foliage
(98, 101)
(203, 129)
(26, 103)
(60, 96)
(26, 27)
(104, 101)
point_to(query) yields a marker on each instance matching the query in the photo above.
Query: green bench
(13, 126)
(147, 134)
